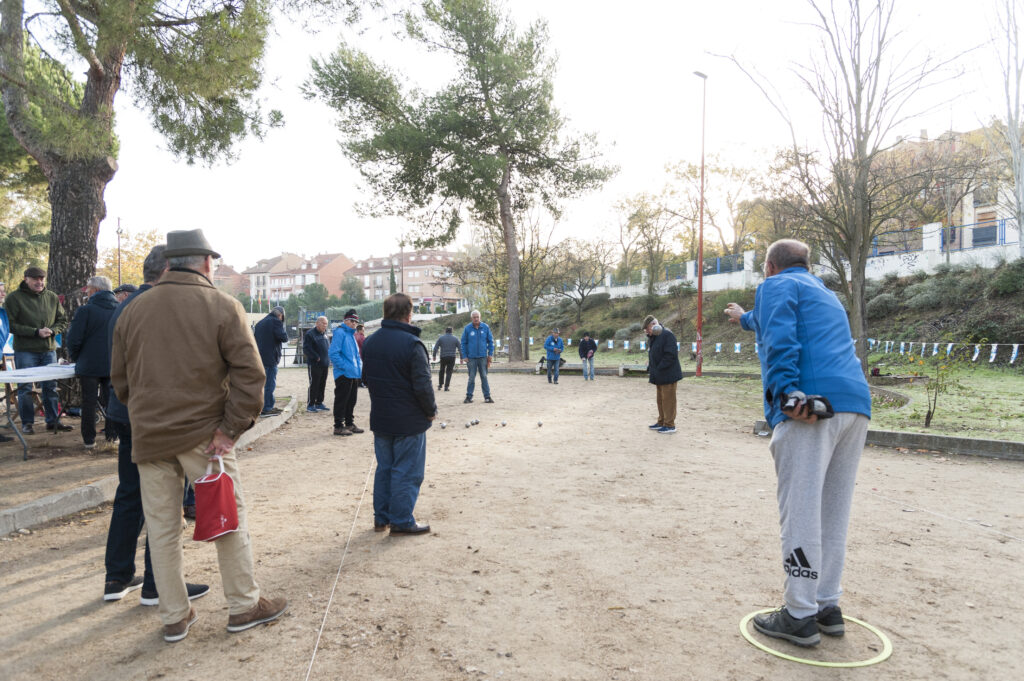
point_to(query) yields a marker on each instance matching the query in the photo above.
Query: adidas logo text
(798, 566)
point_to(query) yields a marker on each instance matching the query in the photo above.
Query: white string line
(337, 577)
(946, 517)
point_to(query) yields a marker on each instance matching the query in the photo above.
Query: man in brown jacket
(186, 364)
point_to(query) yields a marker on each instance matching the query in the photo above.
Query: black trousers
(126, 518)
(444, 372)
(346, 390)
(317, 383)
(93, 389)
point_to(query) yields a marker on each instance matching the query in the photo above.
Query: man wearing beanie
(665, 372)
(348, 371)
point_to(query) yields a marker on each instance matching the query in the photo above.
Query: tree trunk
(858, 310)
(508, 230)
(526, 335)
(76, 198)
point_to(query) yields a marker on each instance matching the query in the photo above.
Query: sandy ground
(586, 548)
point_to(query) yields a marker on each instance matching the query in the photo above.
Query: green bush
(682, 290)
(606, 333)
(882, 305)
(596, 300)
(924, 296)
(628, 332)
(1008, 279)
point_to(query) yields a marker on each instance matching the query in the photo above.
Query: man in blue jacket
(587, 348)
(348, 370)
(402, 406)
(316, 348)
(664, 372)
(554, 346)
(477, 351)
(88, 345)
(270, 333)
(806, 354)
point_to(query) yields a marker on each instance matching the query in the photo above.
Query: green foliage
(605, 333)
(882, 305)
(682, 290)
(314, 296)
(926, 295)
(628, 332)
(352, 292)
(1008, 280)
(493, 129)
(596, 300)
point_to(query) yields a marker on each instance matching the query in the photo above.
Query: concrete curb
(35, 513)
(993, 449)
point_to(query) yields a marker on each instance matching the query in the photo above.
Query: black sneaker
(28, 429)
(467, 400)
(488, 400)
(115, 591)
(58, 427)
(830, 621)
(194, 591)
(780, 624)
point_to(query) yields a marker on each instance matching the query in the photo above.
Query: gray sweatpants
(816, 464)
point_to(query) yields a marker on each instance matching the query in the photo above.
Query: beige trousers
(666, 406)
(162, 483)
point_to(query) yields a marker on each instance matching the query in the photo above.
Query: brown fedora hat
(188, 242)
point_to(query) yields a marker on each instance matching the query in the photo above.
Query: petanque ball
(444, 425)
(504, 423)
(540, 423)
(468, 424)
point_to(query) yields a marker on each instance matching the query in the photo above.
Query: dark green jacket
(30, 311)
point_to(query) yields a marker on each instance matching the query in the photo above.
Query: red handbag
(216, 511)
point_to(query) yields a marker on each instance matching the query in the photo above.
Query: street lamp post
(700, 243)
(119, 251)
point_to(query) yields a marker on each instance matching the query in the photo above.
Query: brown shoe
(342, 431)
(176, 632)
(355, 429)
(266, 610)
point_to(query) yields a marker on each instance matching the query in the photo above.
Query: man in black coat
(316, 347)
(396, 369)
(88, 345)
(588, 346)
(665, 372)
(270, 334)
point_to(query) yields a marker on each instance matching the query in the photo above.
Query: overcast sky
(625, 72)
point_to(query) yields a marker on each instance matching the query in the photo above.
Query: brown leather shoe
(342, 431)
(179, 630)
(266, 610)
(355, 429)
(379, 527)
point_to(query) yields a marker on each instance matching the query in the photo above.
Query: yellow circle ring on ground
(881, 657)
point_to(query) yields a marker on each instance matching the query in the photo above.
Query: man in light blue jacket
(818, 403)
(348, 370)
(554, 346)
(477, 351)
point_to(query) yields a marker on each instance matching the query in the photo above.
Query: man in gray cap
(270, 334)
(37, 318)
(187, 406)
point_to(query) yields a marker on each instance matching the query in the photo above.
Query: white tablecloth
(50, 372)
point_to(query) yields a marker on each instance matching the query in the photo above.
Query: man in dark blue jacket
(664, 372)
(270, 334)
(396, 369)
(316, 347)
(806, 355)
(88, 345)
(588, 347)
